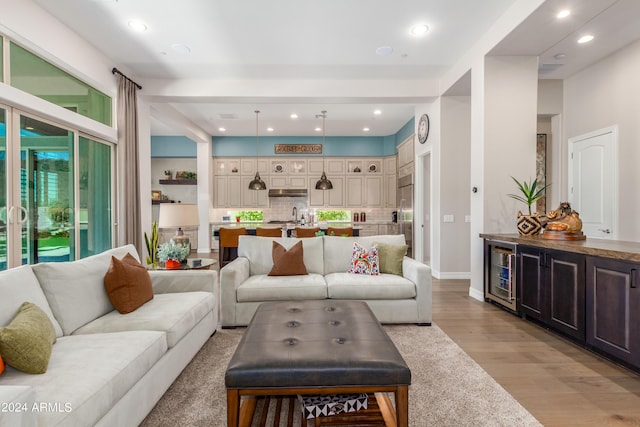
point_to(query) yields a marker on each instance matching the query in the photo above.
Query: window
(38, 77)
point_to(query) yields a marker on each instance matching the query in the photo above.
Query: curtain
(130, 225)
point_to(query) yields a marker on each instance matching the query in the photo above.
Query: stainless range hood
(288, 192)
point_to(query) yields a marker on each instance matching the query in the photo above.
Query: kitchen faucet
(295, 215)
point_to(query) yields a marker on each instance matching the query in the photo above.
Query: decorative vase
(529, 225)
(172, 264)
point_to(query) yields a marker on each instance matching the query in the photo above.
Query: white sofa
(106, 368)
(244, 283)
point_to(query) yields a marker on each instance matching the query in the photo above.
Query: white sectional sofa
(106, 368)
(245, 284)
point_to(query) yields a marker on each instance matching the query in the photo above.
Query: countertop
(616, 249)
(291, 226)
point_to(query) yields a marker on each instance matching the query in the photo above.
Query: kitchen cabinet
(612, 300)
(390, 191)
(552, 289)
(390, 165)
(326, 198)
(286, 181)
(388, 229)
(405, 152)
(228, 190)
(222, 166)
(248, 167)
(364, 191)
(367, 229)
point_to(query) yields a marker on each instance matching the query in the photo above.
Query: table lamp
(178, 215)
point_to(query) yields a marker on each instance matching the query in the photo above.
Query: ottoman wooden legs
(239, 416)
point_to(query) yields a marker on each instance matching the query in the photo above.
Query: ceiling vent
(548, 68)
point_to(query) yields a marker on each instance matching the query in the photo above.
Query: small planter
(529, 225)
(172, 264)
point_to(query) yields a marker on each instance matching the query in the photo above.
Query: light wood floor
(558, 382)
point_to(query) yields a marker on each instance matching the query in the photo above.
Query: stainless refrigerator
(405, 212)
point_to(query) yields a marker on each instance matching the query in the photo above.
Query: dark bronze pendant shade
(323, 183)
(257, 183)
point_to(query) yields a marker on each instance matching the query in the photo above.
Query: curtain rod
(116, 71)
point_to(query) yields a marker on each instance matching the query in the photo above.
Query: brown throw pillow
(128, 284)
(287, 262)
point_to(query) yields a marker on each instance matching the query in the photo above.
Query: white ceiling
(286, 40)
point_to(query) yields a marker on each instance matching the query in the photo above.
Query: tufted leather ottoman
(316, 347)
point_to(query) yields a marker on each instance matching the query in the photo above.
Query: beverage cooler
(500, 274)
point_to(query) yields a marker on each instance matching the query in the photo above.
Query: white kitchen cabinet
(227, 191)
(388, 228)
(390, 165)
(368, 229)
(287, 181)
(353, 188)
(326, 198)
(373, 191)
(226, 166)
(364, 191)
(405, 152)
(248, 167)
(390, 189)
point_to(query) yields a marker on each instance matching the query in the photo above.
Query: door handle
(605, 230)
(10, 215)
(24, 211)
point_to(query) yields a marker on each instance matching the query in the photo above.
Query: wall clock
(423, 128)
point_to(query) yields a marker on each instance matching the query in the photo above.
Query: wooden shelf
(157, 202)
(179, 181)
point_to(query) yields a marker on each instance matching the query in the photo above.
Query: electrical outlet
(448, 218)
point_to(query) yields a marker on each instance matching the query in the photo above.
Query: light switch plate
(448, 218)
(467, 218)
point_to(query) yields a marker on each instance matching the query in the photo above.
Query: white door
(593, 183)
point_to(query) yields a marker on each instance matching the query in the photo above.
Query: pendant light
(323, 183)
(257, 183)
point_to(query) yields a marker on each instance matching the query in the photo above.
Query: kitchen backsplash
(281, 208)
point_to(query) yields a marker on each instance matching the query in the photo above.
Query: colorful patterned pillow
(363, 261)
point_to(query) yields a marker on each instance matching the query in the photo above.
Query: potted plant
(167, 174)
(152, 245)
(529, 225)
(172, 254)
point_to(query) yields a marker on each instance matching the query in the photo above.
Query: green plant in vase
(531, 192)
(152, 246)
(172, 254)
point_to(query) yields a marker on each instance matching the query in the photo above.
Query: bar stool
(229, 244)
(346, 231)
(306, 232)
(268, 232)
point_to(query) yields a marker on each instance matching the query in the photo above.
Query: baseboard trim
(476, 294)
(462, 275)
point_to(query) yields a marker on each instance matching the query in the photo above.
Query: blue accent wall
(173, 146)
(245, 146)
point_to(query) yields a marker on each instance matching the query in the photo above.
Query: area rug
(447, 388)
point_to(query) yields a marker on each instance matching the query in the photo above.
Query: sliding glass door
(46, 191)
(55, 192)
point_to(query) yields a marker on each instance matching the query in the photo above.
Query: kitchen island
(587, 291)
(251, 226)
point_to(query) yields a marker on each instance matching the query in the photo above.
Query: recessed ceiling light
(418, 30)
(365, 129)
(269, 129)
(384, 51)
(377, 112)
(560, 55)
(563, 14)
(585, 39)
(222, 129)
(139, 26)
(294, 116)
(181, 48)
(318, 129)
